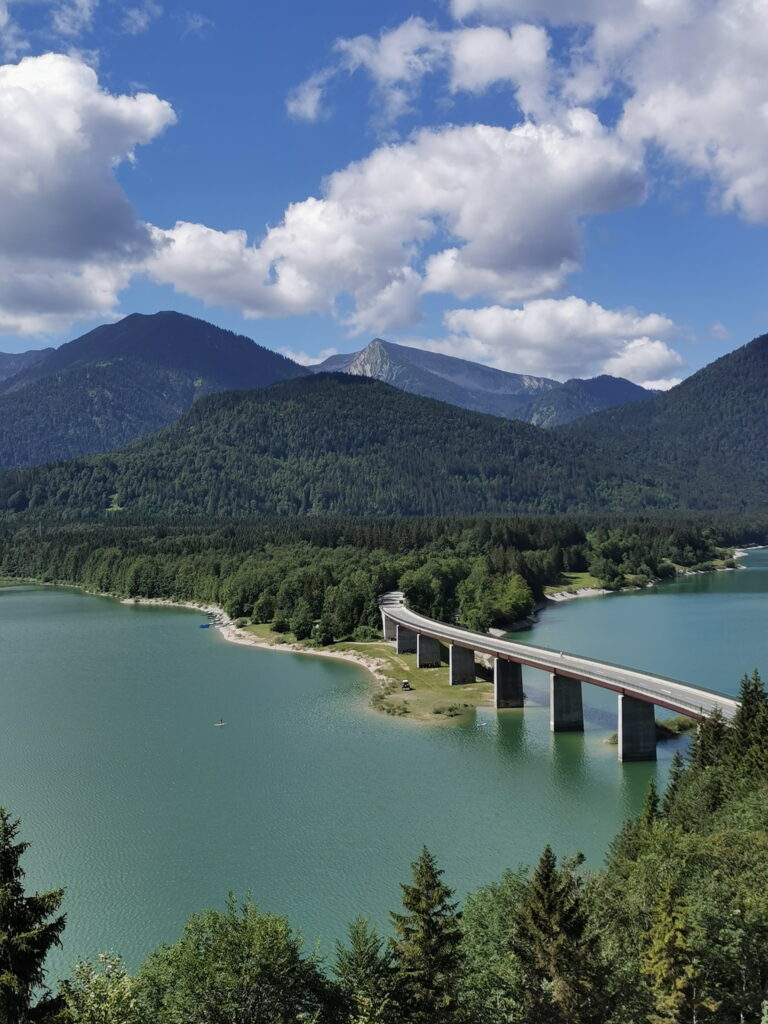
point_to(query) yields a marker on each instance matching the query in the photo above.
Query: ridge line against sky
(555, 188)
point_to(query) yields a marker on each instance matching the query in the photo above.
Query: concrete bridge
(638, 692)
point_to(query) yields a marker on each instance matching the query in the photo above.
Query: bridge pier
(406, 640)
(637, 729)
(427, 651)
(507, 683)
(566, 713)
(461, 665)
(388, 627)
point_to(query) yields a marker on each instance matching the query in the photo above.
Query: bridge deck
(680, 697)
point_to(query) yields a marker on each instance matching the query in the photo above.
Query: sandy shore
(229, 631)
(570, 595)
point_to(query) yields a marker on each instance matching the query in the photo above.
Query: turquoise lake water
(146, 812)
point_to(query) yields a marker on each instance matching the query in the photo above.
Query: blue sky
(559, 188)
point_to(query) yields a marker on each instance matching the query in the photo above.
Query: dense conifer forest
(673, 930)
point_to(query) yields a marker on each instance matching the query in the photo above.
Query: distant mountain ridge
(577, 398)
(12, 363)
(470, 385)
(123, 380)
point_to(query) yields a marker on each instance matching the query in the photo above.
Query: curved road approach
(638, 692)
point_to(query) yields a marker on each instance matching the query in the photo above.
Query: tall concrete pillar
(461, 665)
(565, 708)
(388, 627)
(406, 640)
(427, 651)
(507, 683)
(637, 729)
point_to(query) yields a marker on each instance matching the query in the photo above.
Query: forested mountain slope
(329, 444)
(337, 444)
(578, 398)
(708, 437)
(123, 380)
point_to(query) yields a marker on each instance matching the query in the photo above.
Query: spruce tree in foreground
(556, 951)
(426, 947)
(366, 976)
(749, 728)
(28, 930)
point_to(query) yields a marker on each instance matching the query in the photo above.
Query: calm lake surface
(146, 812)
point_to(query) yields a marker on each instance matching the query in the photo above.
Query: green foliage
(241, 966)
(426, 948)
(101, 994)
(675, 979)
(492, 978)
(366, 976)
(748, 746)
(301, 623)
(557, 953)
(28, 930)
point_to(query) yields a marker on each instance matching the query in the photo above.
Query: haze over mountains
(346, 445)
(539, 400)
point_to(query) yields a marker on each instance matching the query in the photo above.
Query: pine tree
(670, 967)
(426, 947)
(749, 727)
(555, 949)
(650, 811)
(710, 746)
(676, 773)
(28, 930)
(366, 976)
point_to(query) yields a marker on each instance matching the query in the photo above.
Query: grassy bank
(430, 699)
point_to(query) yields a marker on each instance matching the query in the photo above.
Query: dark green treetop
(555, 948)
(426, 947)
(28, 930)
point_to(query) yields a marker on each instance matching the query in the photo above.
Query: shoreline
(572, 595)
(235, 635)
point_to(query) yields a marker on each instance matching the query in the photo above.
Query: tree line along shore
(319, 579)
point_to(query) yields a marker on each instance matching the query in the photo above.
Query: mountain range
(346, 445)
(123, 380)
(539, 400)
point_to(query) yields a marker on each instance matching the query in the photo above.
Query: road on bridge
(672, 694)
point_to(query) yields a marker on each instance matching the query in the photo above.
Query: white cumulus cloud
(563, 338)
(398, 59)
(473, 210)
(68, 234)
(690, 74)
